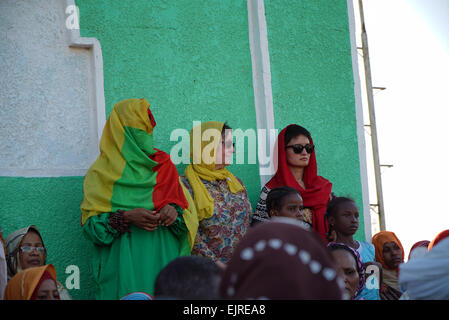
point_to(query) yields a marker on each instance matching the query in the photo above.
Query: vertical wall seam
(263, 97)
(360, 123)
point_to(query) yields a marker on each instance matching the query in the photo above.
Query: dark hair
(225, 127)
(276, 195)
(332, 208)
(294, 131)
(189, 277)
(334, 205)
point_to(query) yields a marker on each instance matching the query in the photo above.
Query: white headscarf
(427, 277)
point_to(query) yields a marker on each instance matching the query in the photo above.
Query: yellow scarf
(203, 154)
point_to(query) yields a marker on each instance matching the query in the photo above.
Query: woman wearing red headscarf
(418, 249)
(37, 283)
(297, 168)
(390, 254)
(442, 235)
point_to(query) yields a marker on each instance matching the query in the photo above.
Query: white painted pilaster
(263, 98)
(360, 123)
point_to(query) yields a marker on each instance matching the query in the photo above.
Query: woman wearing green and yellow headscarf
(134, 209)
(220, 198)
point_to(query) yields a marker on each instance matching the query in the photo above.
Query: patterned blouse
(218, 235)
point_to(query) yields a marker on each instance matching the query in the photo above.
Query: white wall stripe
(263, 98)
(360, 123)
(76, 41)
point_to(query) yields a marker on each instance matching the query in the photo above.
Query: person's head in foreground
(188, 278)
(280, 259)
(35, 283)
(350, 268)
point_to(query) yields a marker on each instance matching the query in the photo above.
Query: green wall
(53, 205)
(191, 60)
(313, 86)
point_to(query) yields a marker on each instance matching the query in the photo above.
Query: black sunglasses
(297, 148)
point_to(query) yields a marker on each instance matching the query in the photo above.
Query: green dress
(130, 173)
(130, 262)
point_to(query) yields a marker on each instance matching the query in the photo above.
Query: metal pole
(372, 116)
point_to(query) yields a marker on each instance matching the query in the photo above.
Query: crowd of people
(158, 235)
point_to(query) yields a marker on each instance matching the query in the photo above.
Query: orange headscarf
(442, 235)
(23, 284)
(379, 239)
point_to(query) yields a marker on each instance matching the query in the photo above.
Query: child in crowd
(343, 219)
(188, 278)
(286, 202)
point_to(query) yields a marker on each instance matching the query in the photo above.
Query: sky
(408, 44)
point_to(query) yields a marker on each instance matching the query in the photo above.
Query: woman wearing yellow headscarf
(220, 198)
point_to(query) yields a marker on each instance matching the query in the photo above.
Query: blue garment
(367, 252)
(137, 296)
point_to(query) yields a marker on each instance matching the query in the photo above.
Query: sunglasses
(28, 249)
(297, 148)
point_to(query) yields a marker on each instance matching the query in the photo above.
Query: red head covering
(442, 235)
(44, 277)
(25, 284)
(419, 244)
(379, 239)
(318, 189)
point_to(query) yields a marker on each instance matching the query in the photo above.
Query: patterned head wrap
(359, 264)
(13, 241)
(279, 259)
